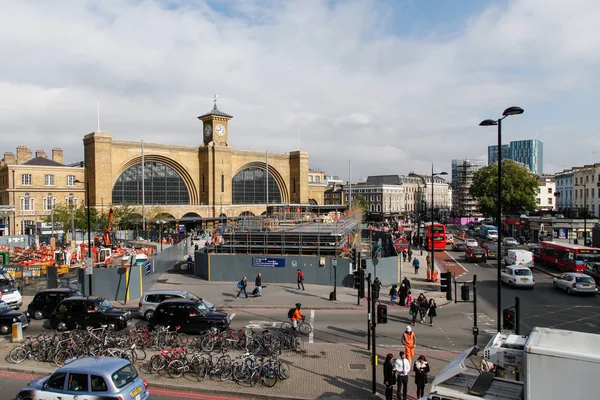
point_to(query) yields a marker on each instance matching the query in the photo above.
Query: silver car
(575, 282)
(89, 378)
(151, 299)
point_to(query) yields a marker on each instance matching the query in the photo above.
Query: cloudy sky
(392, 85)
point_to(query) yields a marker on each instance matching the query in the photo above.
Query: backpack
(240, 285)
(291, 312)
(393, 290)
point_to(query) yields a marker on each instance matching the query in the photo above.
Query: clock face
(220, 130)
(207, 130)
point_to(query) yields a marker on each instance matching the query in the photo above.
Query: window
(318, 179)
(538, 201)
(550, 200)
(310, 178)
(49, 180)
(549, 190)
(26, 203)
(222, 183)
(49, 202)
(539, 190)
(587, 178)
(78, 382)
(124, 376)
(98, 384)
(249, 187)
(71, 200)
(57, 381)
(71, 180)
(26, 179)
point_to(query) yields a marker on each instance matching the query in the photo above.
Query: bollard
(428, 275)
(17, 332)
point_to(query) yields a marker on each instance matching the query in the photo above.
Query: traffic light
(508, 319)
(381, 314)
(375, 291)
(356, 279)
(446, 284)
(353, 258)
(361, 285)
(465, 291)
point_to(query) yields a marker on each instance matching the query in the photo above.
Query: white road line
(459, 264)
(312, 323)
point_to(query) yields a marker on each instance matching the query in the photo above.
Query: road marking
(312, 323)
(231, 316)
(457, 263)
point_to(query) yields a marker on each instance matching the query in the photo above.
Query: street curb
(544, 270)
(168, 386)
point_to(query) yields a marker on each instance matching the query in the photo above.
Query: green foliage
(519, 187)
(66, 214)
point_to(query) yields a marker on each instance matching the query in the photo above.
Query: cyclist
(297, 316)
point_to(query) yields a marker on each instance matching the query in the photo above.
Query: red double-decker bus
(439, 236)
(567, 257)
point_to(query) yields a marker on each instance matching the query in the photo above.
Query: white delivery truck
(552, 364)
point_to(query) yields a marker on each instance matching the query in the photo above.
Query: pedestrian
(190, 264)
(423, 304)
(413, 310)
(406, 281)
(421, 368)
(409, 299)
(300, 279)
(409, 341)
(393, 294)
(402, 293)
(258, 283)
(402, 365)
(404, 255)
(428, 261)
(409, 253)
(242, 286)
(432, 311)
(416, 264)
(378, 284)
(389, 378)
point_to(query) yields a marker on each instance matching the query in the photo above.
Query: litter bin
(17, 332)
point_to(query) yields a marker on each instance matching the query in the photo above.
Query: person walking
(422, 304)
(258, 283)
(404, 255)
(190, 264)
(389, 378)
(428, 261)
(409, 341)
(413, 310)
(409, 253)
(432, 311)
(421, 368)
(300, 279)
(242, 286)
(416, 264)
(402, 366)
(393, 294)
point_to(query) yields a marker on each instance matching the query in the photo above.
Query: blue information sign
(268, 262)
(147, 267)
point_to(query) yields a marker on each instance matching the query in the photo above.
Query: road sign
(147, 267)
(400, 244)
(334, 262)
(89, 266)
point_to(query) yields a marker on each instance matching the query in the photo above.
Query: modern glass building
(528, 152)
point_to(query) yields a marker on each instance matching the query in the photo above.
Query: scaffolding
(464, 204)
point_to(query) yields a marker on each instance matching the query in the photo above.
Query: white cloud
(332, 71)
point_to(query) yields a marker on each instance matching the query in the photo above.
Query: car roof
(169, 301)
(518, 267)
(58, 290)
(166, 291)
(96, 364)
(77, 298)
(576, 274)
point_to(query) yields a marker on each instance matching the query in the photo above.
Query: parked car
(459, 246)
(474, 254)
(491, 250)
(151, 299)
(517, 276)
(188, 316)
(46, 301)
(594, 267)
(471, 242)
(509, 242)
(575, 282)
(88, 311)
(8, 316)
(518, 257)
(89, 378)
(449, 238)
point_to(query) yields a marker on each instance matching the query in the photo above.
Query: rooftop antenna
(215, 98)
(98, 116)
(298, 139)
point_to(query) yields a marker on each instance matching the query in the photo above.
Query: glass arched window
(48, 202)
(162, 185)
(249, 187)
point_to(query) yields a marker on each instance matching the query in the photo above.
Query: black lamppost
(89, 229)
(490, 122)
(585, 211)
(430, 238)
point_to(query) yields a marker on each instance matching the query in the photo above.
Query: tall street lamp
(89, 229)
(431, 240)
(584, 186)
(498, 122)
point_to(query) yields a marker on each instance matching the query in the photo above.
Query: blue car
(89, 378)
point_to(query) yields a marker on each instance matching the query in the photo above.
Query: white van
(492, 235)
(10, 293)
(521, 258)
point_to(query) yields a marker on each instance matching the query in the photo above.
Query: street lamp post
(498, 122)
(431, 241)
(584, 213)
(89, 229)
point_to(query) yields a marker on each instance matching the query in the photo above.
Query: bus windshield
(587, 258)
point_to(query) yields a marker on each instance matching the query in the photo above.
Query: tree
(66, 214)
(519, 186)
(359, 203)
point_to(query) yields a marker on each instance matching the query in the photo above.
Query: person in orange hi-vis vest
(409, 342)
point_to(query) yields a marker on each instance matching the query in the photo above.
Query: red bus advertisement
(439, 236)
(567, 257)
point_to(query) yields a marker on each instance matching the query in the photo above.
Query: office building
(527, 152)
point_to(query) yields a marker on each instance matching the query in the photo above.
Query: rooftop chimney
(40, 153)
(57, 155)
(9, 158)
(23, 154)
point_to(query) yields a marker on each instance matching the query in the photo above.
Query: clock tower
(214, 129)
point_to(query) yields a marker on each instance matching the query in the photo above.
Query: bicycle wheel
(157, 362)
(286, 325)
(175, 368)
(61, 357)
(254, 378)
(305, 328)
(298, 344)
(202, 370)
(240, 373)
(226, 372)
(17, 355)
(269, 375)
(284, 370)
(140, 353)
(207, 344)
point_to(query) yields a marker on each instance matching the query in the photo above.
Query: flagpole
(143, 192)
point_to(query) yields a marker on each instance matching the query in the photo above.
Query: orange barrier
(436, 277)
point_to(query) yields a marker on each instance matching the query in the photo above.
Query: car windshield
(584, 279)
(522, 272)
(4, 308)
(191, 296)
(202, 307)
(124, 376)
(492, 248)
(104, 305)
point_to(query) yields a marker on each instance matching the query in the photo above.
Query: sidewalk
(325, 371)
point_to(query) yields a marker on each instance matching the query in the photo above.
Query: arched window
(26, 202)
(48, 202)
(249, 187)
(162, 185)
(71, 200)
(372, 208)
